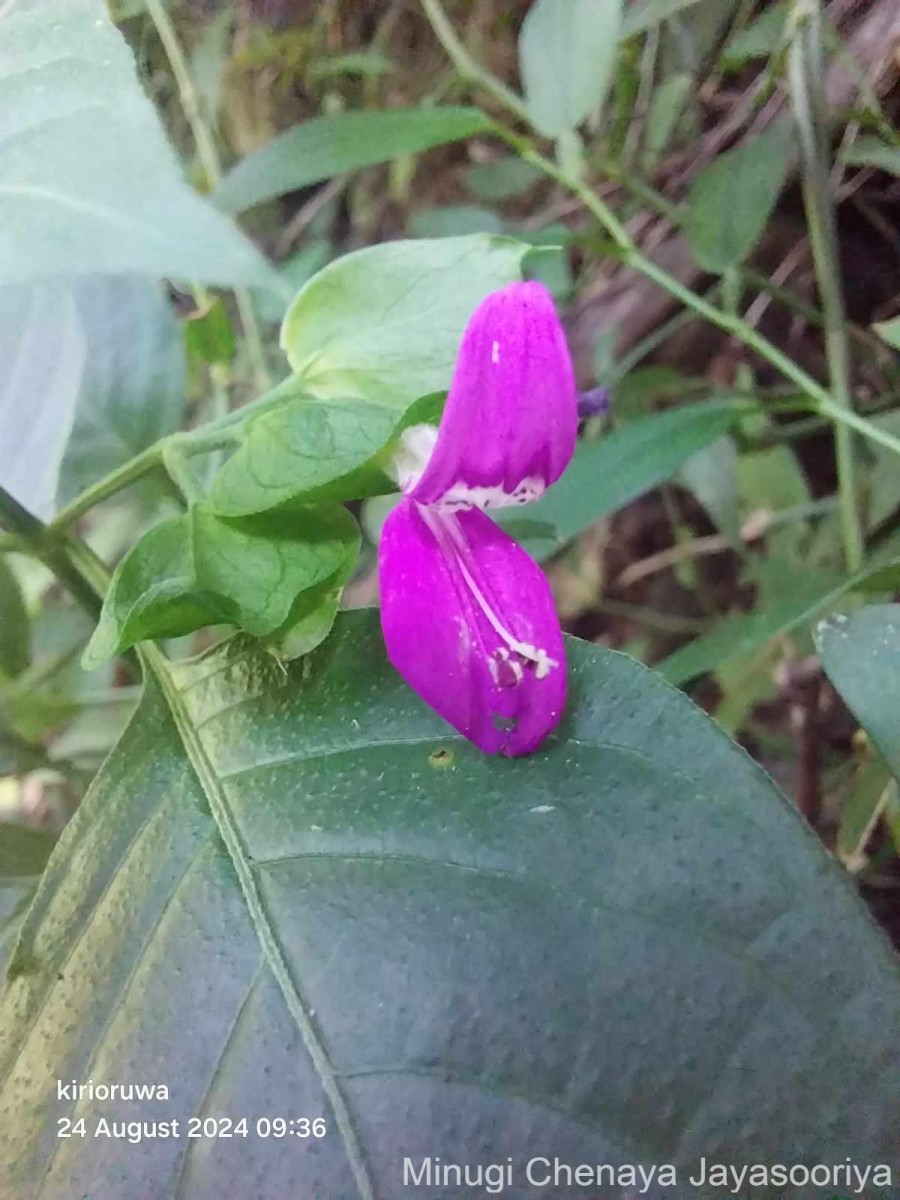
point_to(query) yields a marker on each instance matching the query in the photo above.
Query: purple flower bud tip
(594, 403)
(468, 618)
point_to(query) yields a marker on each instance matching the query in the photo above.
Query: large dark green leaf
(88, 183)
(303, 896)
(332, 145)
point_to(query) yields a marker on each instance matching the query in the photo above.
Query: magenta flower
(468, 617)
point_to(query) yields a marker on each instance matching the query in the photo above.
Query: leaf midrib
(156, 663)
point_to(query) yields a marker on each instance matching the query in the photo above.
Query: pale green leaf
(91, 372)
(88, 183)
(132, 389)
(567, 53)
(385, 323)
(43, 358)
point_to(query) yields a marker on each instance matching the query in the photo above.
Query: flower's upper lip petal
(458, 596)
(511, 419)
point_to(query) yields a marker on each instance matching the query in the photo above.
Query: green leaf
(741, 635)
(771, 479)
(385, 323)
(132, 389)
(567, 52)
(199, 569)
(871, 151)
(861, 655)
(730, 202)
(889, 331)
(14, 901)
(455, 221)
(667, 107)
(642, 15)
(43, 358)
(88, 183)
(862, 810)
(304, 896)
(761, 37)
(15, 628)
(91, 372)
(23, 852)
(502, 178)
(333, 145)
(363, 64)
(609, 473)
(210, 60)
(306, 450)
(295, 272)
(313, 615)
(711, 476)
(209, 334)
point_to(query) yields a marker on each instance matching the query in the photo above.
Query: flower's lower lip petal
(441, 640)
(511, 419)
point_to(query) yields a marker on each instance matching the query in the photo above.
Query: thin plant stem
(141, 465)
(76, 569)
(805, 67)
(468, 67)
(208, 153)
(631, 255)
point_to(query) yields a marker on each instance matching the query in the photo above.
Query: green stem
(72, 562)
(468, 67)
(116, 481)
(631, 254)
(662, 205)
(208, 154)
(806, 69)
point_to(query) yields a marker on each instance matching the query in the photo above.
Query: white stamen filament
(442, 526)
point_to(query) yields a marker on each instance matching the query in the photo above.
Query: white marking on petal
(465, 495)
(495, 353)
(505, 669)
(414, 448)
